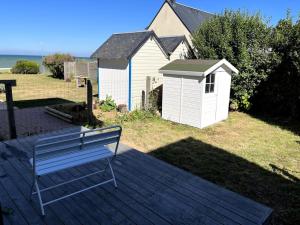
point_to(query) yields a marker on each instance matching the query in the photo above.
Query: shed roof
(189, 16)
(196, 66)
(124, 45)
(170, 43)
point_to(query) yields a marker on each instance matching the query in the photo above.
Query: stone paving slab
(31, 121)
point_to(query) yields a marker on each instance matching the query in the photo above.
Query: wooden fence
(80, 68)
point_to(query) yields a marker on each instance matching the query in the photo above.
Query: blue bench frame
(69, 150)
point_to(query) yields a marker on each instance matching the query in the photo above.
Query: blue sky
(80, 26)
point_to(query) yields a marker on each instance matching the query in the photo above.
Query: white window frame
(211, 83)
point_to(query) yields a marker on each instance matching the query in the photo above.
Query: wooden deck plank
(16, 217)
(150, 192)
(24, 188)
(163, 199)
(133, 214)
(165, 206)
(22, 204)
(114, 214)
(130, 213)
(60, 211)
(127, 199)
(83, 213)
(156, 177)
(70, 212)
(195, 183)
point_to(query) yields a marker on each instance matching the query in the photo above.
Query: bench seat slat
(40, 151)
(76, 158)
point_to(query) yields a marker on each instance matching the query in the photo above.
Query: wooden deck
(149, 192)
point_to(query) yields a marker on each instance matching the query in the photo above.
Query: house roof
(171, 42)
(196, 67)
(189, 16)
(125, 45)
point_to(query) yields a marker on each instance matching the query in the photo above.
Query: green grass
(41, 90)
(256, 158)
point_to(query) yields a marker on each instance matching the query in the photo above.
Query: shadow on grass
(40, 102)
(278, 189)
(282, 122)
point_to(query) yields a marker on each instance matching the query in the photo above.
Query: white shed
(196, 92)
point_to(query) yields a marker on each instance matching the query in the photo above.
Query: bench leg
(112, 173)
(31, 190)
(39, 197)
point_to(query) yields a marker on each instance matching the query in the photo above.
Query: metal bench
(69, 150)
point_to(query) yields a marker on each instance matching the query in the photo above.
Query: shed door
(171, 98)
(224, 82)
(191, 101)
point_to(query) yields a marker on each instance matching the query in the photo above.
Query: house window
(210, 83)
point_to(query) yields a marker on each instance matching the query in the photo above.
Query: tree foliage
(55, 63)
(242, 39)
(280, 93)
(26, 67)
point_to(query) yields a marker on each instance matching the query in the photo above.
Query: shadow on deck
(149, 192)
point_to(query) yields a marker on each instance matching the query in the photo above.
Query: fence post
(1, 215)
(90, 101)
(10, 106)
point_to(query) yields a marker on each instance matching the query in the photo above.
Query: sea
(8, 61)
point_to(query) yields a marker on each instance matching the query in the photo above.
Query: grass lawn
(41, 90)
(257, 159)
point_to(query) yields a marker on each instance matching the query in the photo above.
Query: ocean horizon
(8, 61)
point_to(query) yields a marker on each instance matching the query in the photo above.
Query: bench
(69, 150)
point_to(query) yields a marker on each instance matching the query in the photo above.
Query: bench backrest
(69, 142)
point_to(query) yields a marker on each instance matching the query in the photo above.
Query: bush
(155, 100)
(55, 64)
(135, 115)
(108, 104)
(26, 67)
(245, 41)
(279, 95)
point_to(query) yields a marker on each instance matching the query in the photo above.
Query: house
(176, 19)
(126, 60)
(196, 92)
(128, 63)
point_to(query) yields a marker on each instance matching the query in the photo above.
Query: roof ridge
(193, 8)
(171, 36)
(142, 31)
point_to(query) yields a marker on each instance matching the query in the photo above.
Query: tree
(280, 93)
(55, 63)
(242, 39)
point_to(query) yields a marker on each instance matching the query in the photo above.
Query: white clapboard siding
(182, 99)
(180, 52)
(114, 82)
(171, 101)
(146, 62)
(191, 99)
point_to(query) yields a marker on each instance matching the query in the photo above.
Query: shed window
(210, 83)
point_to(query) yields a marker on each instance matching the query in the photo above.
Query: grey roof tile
(170, 43)
(191, 17)
(121, 46)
